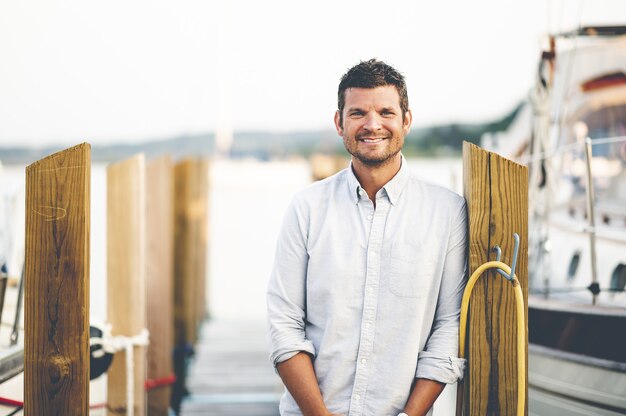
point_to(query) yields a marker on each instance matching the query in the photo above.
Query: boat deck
(231, 373)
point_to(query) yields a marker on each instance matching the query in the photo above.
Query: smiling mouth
(374, 140)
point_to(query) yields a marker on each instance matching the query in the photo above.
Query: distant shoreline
(436, 141)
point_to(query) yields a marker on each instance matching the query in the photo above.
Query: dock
(230, 373)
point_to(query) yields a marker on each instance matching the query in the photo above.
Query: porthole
(573, 266)
(618, 278)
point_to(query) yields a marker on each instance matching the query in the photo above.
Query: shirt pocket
(411, 271)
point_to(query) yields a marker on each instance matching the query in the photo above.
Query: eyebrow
(387, 108)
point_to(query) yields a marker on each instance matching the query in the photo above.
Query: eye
(388, 113)
(355, 113)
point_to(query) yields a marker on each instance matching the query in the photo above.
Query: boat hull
(571, 384)
(576, 359)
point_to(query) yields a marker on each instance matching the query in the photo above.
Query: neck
(373, 178)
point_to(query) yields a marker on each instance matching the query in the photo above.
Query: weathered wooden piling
(160, 274)
(126, 277)
(496, 190)
(190, 248)
(56, 345)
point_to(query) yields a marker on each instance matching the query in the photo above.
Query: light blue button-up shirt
(373, 294)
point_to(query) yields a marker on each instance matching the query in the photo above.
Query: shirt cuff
(444, 369)
(285, 353)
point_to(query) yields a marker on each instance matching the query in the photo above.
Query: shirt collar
(397, 184)
(393, 188)
(354, 187)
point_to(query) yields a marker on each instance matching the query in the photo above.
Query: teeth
(372, 140)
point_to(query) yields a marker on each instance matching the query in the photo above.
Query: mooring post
(190, 251)
(126, 278)
(56, 317)
(160, 275)
(496, 190)
(190, 207)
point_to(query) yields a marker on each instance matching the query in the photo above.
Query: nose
(372, 122)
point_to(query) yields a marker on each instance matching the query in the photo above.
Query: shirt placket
(376, 220)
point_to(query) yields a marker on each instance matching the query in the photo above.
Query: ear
(338, 125)
(408, 119)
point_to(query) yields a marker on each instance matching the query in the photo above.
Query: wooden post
(203, 241)
(496, 191)
(56, 319)
(126, 276)
(190, 209)
(160, 274)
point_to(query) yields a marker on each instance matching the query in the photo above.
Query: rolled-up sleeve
(286, 290)
(439, 361)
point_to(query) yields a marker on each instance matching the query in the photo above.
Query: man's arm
(299, 377)
(423, 396)
(438, 364)
(291, 351)
(286, 290)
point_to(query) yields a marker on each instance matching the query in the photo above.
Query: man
(364, 297)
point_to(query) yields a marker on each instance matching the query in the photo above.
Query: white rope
(112, 344)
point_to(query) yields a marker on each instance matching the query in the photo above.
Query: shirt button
(369, 217)
(357, 397)
(363, 361)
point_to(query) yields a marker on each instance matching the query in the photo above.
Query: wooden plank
(496, 190)
(56, 318)
(126, 276)
(230, 374)
(160, 275)
(190, 248)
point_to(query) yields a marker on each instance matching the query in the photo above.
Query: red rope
(10, 402)
(160, 382)
(150, 385)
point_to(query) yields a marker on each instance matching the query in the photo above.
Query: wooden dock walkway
(231, 373)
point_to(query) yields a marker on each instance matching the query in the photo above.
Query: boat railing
(541, 156)
(591, 217)
(588, 144)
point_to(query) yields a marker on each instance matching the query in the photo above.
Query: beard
(375, 157)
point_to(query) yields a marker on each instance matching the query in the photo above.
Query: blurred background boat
(572, 135)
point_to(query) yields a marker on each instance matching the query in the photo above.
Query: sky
(119, 70)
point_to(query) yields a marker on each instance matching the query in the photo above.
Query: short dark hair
(371, 74)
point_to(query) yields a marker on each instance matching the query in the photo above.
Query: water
(248, 201)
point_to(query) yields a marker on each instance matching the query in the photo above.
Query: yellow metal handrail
(521, 331)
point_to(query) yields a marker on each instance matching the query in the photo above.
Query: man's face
(373, 128)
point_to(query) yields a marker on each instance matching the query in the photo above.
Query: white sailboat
(575, 146)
